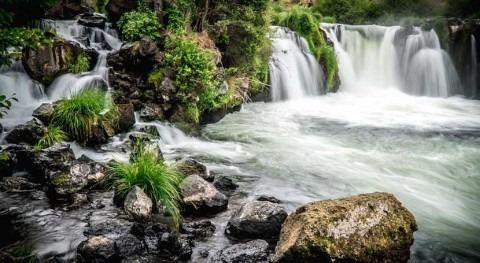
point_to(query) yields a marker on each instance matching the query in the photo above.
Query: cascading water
(406, 58)
(31, 93)
(294, 71)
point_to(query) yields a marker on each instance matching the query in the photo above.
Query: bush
(196, 72)
(352, 11)
(463, 8)
(159, 181)
(53, 135)
(138, 23)
(78, 115)
(80, 63)
(6, 104)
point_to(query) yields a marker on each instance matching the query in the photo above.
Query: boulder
(17, 183)
(147, 47)
(44, 113)
(45, 63)
(78, 200)
(151, 235)
(116, 8)
(126, 118)
(152, 112)
(257, 220)
(364, 228)
(92, 20)
(255, 251)
(201, 197)
(190, 166)
(129, 245)
(198, 229)
(138, 205)
(225, 185)
(29, 133)
(98, 249)
(68, 182)
(175, 247)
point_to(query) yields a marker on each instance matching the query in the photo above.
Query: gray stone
(138, 205)
(201, 197)
(364, 228)
(17, 183)
(257, 220)
(44, 113)
(69, 182)
(198, 229)
(255, 251)
(29, 133)
(98, 249)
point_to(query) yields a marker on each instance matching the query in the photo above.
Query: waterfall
(406, 58)
(31, 94)
(474, 68)
(294, 71)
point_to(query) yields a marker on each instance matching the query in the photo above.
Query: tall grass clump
(79, 64)
(81, 112)
(53, 135)
(159, 181)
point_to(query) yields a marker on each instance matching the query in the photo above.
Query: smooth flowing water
(474, 66)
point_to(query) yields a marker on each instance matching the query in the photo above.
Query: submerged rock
(98, 249)
(270, 199)
(364, 228)
(225, 185)
(30, 133)
(199, 229)
(138, 205)
(255, 251)
(201, 197)
(257, 220)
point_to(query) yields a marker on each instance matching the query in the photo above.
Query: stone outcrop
(365, 228)
(201, 197)
(30, 133)
(257, 220)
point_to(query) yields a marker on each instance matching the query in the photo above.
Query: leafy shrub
(53, 135)
(6, 104)
(80, 63)
(138, 23)
(159, 181)
(78, 114)
(179, 14)
(351, 11)
(195, 74)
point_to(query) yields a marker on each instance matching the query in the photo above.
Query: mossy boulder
(364, 228)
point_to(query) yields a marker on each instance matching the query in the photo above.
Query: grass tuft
(159, 181)
(53, 135)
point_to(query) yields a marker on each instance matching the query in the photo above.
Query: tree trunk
(158, 6)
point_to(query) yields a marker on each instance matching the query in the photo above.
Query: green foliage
(78, 114)
(53, 135)
(18, 38)
(195, 74)
(159, 181)
(155, 77)
(80, 63)
(350, 11)
(327, 54)
(6, 104)
(463, 8)
(179, 14)
(138, 23)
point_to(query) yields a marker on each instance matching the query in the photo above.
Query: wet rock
(100, 134)
(147, 47)
(126, 118)
(150, 130)
(112, 228)
(17, 183)
(255, 251)
(201, 197)
(44, 113)
(225, 185)
(92, 20)
(217, 115)
(191, 166)
(152, 112)
(143, 144)
(199, 229)
(270, 199)
(152, 235)
(45, 63)
(257, 220)
(98, 249)
(69, 182)
(204, 253)
(364, 228)
(175, 247)
(7, 163)
(138, 205)
(78, 200)
(29, 133)
(129, 245)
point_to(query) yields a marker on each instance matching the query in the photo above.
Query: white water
(405, 58)
(31, 94)
(294, 71)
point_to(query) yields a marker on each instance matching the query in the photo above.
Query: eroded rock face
(365, 228)
(257, 220)
(138, 205)
(92, 20)
(30, 133)
(201, 197)
(255, 251)
(98, 249)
